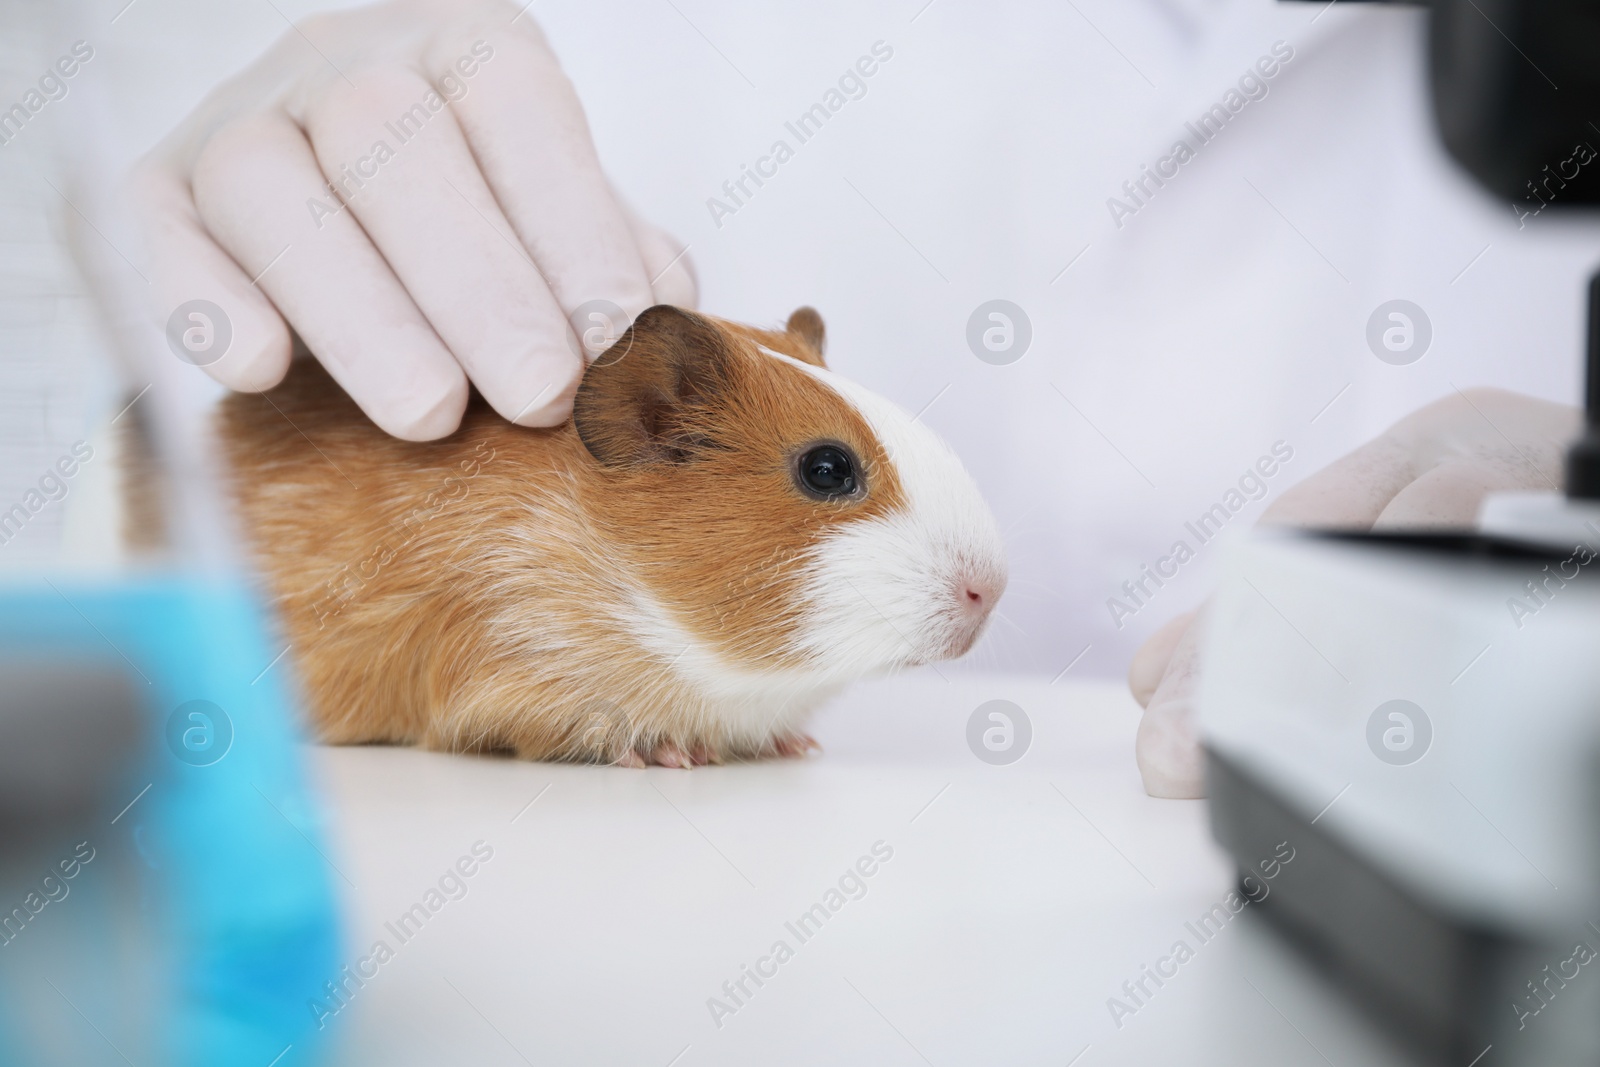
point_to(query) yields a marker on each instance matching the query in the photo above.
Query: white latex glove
(480, 223)
(1430, 469)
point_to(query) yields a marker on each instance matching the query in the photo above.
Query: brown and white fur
(649, 583)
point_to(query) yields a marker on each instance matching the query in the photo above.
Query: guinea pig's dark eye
(827, 471)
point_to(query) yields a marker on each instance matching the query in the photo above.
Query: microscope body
(1419, 717)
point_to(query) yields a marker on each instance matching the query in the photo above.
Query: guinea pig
(723, 535)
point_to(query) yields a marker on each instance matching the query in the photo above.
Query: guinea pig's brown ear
(645, 399)
(805, 326)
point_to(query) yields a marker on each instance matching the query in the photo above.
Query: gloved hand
(1430, 469)
(412, 189)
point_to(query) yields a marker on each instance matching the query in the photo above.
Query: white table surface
(1018, 900)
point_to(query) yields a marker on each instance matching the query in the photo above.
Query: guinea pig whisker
(1005, 531)
(1003, 617)
(1025, 583)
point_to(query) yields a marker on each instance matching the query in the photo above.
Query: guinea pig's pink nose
(979, 593)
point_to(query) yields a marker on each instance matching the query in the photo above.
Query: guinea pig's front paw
(794, 746)
(667, 754)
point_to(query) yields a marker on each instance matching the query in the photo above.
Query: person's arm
(1430, 469)
(412, 190)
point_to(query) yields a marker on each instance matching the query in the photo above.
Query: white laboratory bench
(1017, 902)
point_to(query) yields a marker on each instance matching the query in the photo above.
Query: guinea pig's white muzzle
(892, 593)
